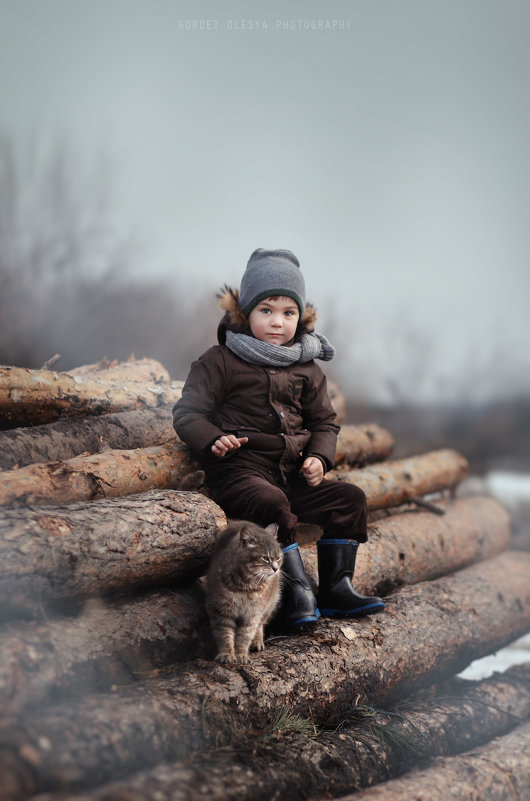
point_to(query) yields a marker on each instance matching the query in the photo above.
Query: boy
(256, 409)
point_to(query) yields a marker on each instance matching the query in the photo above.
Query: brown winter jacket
(285, 412)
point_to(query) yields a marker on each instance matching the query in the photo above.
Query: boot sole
(363, 610)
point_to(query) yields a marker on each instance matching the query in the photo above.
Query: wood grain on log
(39, 396)
(338, 400)
(111, 474)
(499, 771)
(40, 548)
(116, 473)
(106, 546)
(143, 428)
(64, 439)
(112, 642)
(393, 483)
(417, 546)
(363, 748)
(427, 632)
(149, 370)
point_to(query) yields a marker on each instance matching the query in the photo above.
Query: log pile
(107, 685)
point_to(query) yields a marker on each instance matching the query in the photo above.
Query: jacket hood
(235, 320)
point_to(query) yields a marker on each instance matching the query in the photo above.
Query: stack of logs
(107, 685)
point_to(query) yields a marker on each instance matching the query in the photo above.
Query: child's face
(274, 320)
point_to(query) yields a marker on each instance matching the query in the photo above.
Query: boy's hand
(313, 471)
(227, 443)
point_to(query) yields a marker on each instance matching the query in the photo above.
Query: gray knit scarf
(310, 346)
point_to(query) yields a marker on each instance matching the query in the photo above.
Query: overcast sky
(385, 142)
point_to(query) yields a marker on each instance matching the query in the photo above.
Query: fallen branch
(427, 632)
(112, 642)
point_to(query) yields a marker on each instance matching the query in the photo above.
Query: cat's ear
(246, 538)
(272, 528)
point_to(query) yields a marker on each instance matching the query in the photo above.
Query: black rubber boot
(298, 604)
(336, 566)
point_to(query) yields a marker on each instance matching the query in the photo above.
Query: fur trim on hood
(236, 321)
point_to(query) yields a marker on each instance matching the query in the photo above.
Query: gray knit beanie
(270, 273)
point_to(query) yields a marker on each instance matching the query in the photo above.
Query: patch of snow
(514, 654)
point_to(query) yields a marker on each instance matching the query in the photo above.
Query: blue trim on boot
(292, 547)
(337, 542)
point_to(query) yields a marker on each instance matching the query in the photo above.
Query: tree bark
(111, 474)
(427, 632)
(64, 439)
(104, 547)
(143, 428)
(418, 546)
(116, 473)
(368, 747)
(39, 396)
(94, 548)
(112, 642)
(394, 483)
(361, 444)
(338, 400)
(499, 771)
(114, 371)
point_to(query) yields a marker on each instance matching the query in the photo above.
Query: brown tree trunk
(39, 396)
(117, 473)
(143, 428)
(366, 747)
(394, 483)
(499, 771)
(103, 547)
(427, 632)
(110, 643)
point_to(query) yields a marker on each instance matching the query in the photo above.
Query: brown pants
(339, 507)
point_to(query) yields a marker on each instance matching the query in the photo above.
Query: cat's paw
(224, 658)
(242, 659)
(257, 646)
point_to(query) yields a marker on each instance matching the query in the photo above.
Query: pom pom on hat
(271, 273)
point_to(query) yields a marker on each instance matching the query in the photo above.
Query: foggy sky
(391, 156)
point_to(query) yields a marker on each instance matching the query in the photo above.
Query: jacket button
(282, 414)
(272, 372)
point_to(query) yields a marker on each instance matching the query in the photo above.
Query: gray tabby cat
(243, 588)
